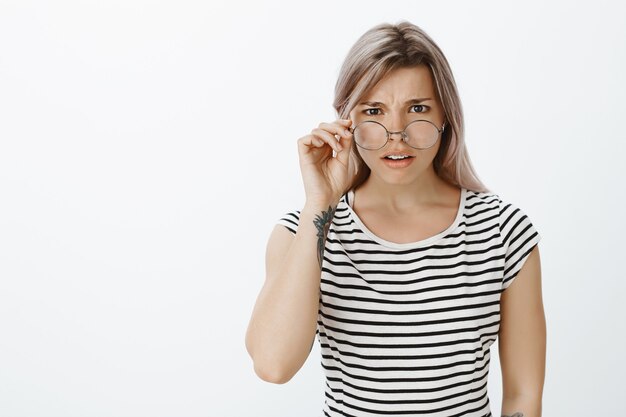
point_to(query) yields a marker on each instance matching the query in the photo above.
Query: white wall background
(148, 148)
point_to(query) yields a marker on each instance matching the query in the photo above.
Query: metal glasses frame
(402, 132)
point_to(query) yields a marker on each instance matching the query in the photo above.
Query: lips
(399, 159)
(397, 153)
(398, 163)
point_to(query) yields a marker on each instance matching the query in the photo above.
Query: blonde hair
(384, 48)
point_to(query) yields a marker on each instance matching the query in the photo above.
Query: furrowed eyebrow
(380, 104)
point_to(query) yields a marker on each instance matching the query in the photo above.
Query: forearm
(286, 312)
(521, 406)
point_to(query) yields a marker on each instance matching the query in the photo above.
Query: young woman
(399, 260)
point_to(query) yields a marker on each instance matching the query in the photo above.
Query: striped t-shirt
(405, 328)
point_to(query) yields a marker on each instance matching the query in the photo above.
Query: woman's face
(404, 95)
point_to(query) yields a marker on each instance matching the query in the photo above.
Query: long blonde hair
(384, 48)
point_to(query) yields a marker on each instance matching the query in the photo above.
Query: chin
(398, 178)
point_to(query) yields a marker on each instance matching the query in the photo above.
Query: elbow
(266, 366)
(271, 374)
(267, 372)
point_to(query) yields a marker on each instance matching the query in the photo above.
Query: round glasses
(418, 134)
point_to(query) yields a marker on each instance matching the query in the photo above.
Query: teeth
(397, 156)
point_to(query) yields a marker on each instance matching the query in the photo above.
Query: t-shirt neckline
(409, 245)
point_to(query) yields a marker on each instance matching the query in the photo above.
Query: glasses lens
(421, 134)
(370, 135)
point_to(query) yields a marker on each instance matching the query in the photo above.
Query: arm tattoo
(322, 224)
(518, 414)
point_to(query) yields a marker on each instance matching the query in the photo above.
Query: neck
(426, 190)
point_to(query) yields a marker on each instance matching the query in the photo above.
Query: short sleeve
(519, 237)
(290, 220)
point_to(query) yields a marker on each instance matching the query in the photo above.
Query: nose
(399, 132)
(395, 133)
(397, 122)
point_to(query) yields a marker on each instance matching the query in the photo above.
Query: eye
(422, 107)
(419, 105)
(370, 114)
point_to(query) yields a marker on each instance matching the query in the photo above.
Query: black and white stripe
(405, 329)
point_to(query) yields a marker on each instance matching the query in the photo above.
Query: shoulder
(519, 236)
(485, 201)
(513, 219)
(490, 200)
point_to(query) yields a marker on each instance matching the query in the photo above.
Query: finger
(345, 123)
(317, 142)
(328, 138)
(337, 133)
(310, 143)
(335, 128)
(311, 140)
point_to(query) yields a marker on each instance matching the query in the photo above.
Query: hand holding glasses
(418, 134)
(326, 176)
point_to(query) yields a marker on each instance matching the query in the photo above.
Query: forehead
(402, 83)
